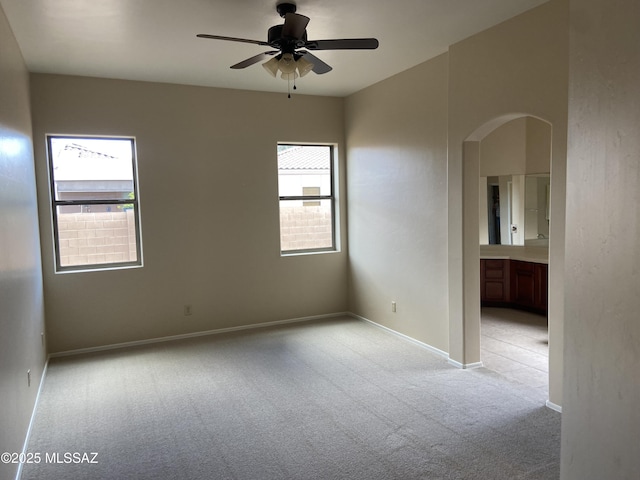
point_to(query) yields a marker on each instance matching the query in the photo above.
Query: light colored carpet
(516, 345)
(335, 399)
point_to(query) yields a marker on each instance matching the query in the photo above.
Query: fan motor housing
(276, 40)
(284, 8)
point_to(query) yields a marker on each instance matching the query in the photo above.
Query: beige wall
(514, 69)
(504, 151)
(601, 415)
(521, 146)
(213, 143)
(21, 301)
(209, 210)
(539, 137)
(411, 203)
(397, 157)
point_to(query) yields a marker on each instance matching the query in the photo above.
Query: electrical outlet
(29, 378)
(187, 310)
(393, 307)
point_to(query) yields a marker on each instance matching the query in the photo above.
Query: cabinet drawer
(521, 266)
(494, 269)
(494, 264)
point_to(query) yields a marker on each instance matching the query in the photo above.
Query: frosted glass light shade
(304, 66)
(287, 64)
(271, 66)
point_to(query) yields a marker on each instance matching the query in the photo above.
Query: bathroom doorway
(514, 165)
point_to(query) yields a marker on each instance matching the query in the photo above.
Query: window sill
(97, 269)
(297, 253)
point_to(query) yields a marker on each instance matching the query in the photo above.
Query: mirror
(537, 191)
(514, 187)
(514, 210)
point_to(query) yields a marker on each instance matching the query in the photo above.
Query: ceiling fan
(290, 54)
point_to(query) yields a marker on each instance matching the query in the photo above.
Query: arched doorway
(514, 217)
(465, 269)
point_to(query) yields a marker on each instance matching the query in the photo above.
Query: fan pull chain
(289, 85)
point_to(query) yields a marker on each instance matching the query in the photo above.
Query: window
(307, 202)
(94, 202)
(311, 192)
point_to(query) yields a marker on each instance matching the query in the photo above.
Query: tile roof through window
(304, 157)
(78, 163)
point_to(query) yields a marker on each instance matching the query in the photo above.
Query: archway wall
(517, 68)
(519, 147)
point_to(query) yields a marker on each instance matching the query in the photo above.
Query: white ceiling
(155, 40)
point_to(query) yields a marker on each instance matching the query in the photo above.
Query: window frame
(331, 197)
(55, 203)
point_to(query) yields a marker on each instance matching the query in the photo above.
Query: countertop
(515, 252)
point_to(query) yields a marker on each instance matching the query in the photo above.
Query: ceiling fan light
(289, 76)
(271, 66)
(304, 66)
(287, 64)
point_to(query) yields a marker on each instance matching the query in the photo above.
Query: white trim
(297, 253)
(31, 420)
(191, 335)
(432, 349)
(465, 366)
(553, 406)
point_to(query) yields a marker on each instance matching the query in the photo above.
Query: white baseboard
(33, 416)
(193, 334)
(465, 366)
(402, 335)
(431, 348)
(553, 406)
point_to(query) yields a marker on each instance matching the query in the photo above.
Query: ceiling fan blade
(232, 39)
(319, 66)
(294, 25)
(253, 60)
(343, 44)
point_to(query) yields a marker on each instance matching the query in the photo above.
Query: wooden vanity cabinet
(529, 285)
(494, 282)
(514, 283)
